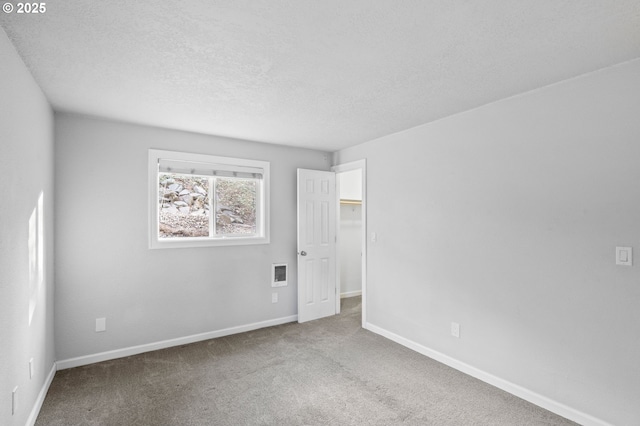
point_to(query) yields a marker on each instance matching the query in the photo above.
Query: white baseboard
(533, 397)
(40, 400)
(135, 350)
(350, 294)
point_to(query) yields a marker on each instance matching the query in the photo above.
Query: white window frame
(262, 202)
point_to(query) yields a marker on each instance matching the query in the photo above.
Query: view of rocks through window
(185, 206)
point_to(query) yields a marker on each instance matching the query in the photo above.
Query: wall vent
(279, 274)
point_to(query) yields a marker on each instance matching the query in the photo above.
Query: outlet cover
(624, 256)
(101, 325)
(455, 329)
(274, 297)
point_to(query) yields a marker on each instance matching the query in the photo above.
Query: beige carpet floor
(325, 372)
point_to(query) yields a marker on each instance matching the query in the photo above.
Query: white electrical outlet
(274, 297)
(31, 369)
(624, 256)
(14, 401)
(455, 329)
(101, 325)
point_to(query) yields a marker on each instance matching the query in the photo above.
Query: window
(199, 200)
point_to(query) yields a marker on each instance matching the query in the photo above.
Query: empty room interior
(330, 212)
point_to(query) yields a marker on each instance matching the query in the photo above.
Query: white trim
(338, 260)
(519, 391)
(41, 396)
(348, 294)
(135, 350)
(357, 165)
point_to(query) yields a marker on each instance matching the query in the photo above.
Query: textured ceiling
(322, 74)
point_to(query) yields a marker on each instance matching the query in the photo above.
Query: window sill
(206, 242)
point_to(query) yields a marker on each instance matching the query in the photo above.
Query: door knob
(303, 253)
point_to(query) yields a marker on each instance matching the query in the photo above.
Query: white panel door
(316, 244)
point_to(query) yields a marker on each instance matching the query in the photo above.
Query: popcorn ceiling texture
(322, 74)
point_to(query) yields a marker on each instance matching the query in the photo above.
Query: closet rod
(357, 202)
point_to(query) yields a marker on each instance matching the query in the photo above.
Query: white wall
(516, 209)
(105, 269)
(26, 162)
(350, 243)
(351, 185)
(350, 249)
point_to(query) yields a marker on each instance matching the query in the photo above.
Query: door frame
(347, 167)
